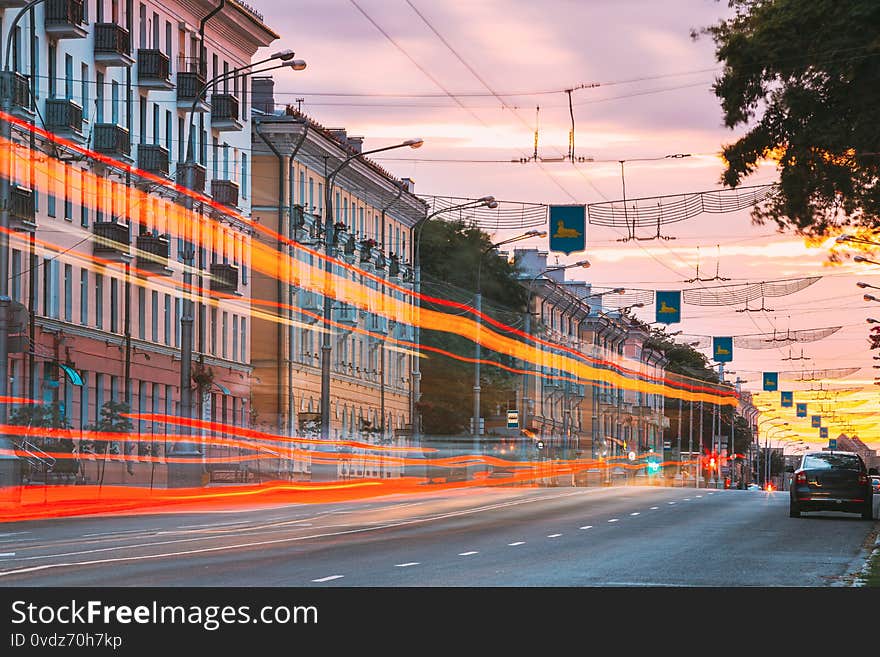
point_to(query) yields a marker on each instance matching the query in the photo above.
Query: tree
(449, 256)
(806, 75)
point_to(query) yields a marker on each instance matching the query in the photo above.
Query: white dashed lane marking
(328, 578)
(587, 527)
(516, 543)
(7, 554)
(614, 520)
(634, 513)
(406, 565)
(467, 554)
(654, 508)
(553, 535)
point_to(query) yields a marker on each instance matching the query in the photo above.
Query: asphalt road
(621, 536)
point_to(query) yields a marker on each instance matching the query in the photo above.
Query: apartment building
(115, 89)
(372, 358)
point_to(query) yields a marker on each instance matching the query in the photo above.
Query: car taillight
(801, 478)
(863, 478)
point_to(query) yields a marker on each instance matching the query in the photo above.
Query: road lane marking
(614, 520)
(7, 554)
(263, 543)
(214, 524)
(516, 543)
(671, 502)
(406, 565)
(553, 535)
(586, 527)
(687, 499)
(634, 513)
(699, 496)
(328, 578)
(467, 554)
(654, 508)
(13, 533)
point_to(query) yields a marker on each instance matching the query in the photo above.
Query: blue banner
(823, 432)
(786, 399)
(722, 349)
(816, 421)
(771, 381)
(568, 228)
(668, 306)
(801, 410)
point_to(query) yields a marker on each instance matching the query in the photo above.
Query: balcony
(190, 83)
(112, 140)
(311, 304)
(15, 86)
(225, 192)
(377, 324)
(153, 252)
(64, 19)
(224, 113)
(112, 240)
(112, 45)
(198, 175)
(21, 209)
(153, 158)
(65, 118)
(12, 4)
(224, 278)
(153, 69)
(345, 314)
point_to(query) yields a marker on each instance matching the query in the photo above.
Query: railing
(156, 246)
(15, 86)
(198, 179)
(153, 158)
(111, 236)
(112, 139)
(224, 107)
(64, 12)
(225, 192)
(190, 83)
(111, 38)
(64, 114)
(224, 278)
(153, 65)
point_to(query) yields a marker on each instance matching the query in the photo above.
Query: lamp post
(528, 327)
(329, 233)
(864, 259)
(478, 306)
(184, 473)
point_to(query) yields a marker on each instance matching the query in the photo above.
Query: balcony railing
(224, 113)
(189, 84)
(14, 85)
(153, 159)
(345, 314)
(199, 176)
(112, 45)
(64, 19)
(225, 192)
(112, 140)
(224, 278)
(154, 69)
(111, 238)
(64, 117)
(153, 253)
(21, 209)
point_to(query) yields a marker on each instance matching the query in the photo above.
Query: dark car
(831, 481)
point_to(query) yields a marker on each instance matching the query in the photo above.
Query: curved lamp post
(329, 234)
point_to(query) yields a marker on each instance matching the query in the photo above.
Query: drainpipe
(203, 52)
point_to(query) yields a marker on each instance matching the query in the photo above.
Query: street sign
(771, 381)
(801, 410)
(722, 349)
(816, 421)
(668, 306)
(786, 399)
(512, 419)
(823, 433)
(568, 228)
(832, 443)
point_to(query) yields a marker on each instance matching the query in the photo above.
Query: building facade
(101, 242)
(373, 361)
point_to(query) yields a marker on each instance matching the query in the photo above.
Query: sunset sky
(467, 77)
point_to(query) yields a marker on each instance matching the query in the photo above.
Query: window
(53, 63)
(302, 186)
(213, 331)
(235, 337)
(215, 156)
(50, 189)
(155, 124)
(311, 205)
(50, 287)
(68, 195)
(142, 106)
(224, 333)
(156, 44)
(68, 293)
(114, 305)
(99, 300)
(15, 281)
(167, 319)
(154, 316)
(68, 77)
(142, 313)
(177, 327)
(244, 175)
(99, 96)
(181, 139)
(143, 24)
(83, 201)
(168, 39)
(99, 396)
(84, 90)
(244, 353)
(84, 297)
(168, 131)
(114, 102)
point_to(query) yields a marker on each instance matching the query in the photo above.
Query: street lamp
(329, 234)
(857, 240)
(871, 320)
(870, 297)
(528, 326)
(864, 285)
(864, 259)
(186, 474)
(478, 305)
